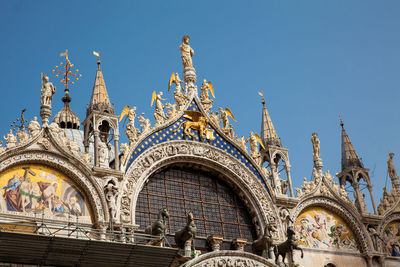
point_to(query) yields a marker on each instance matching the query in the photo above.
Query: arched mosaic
(320, 228)
(33, 189)
(391, 238)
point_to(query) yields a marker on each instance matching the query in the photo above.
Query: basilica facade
(185, 190)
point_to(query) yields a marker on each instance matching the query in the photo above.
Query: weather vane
(21, 121)
(67, 73)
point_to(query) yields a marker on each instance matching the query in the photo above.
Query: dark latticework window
(216, 208)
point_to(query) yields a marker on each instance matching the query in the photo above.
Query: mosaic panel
(391, 239)
(319, 228)
(38, 189)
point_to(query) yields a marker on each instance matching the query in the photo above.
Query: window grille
(216, 208)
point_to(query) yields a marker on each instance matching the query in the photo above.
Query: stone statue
(284, 185)
(241, 142)
(124, 148)
(179, 97)
(187, 234)
(172, 111)
(74, 148)
(10, 139)
(22, 135)
(215, 118)
(264, 243)
(144, 123)
(287, 247)
(87, 158)
(131, 131)
(47, 91)
(392, 172)
(205, 97)
(159, 114)
(158, 228)
(187, 52)
(335, 187)
(375, 238)
(315, 142)
(104, 153)
(343, 192)
(111, 192)
(254, 153)
(55, 128)
(34, 127)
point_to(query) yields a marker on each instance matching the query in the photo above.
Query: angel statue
(180, 98)
(255, 139)
(131, 131)
(224, 114)
(159, 114)
(204, 96)
(187, 52)
(47, 91)
(196, 121)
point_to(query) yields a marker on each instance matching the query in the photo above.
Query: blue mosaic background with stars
(175, 132)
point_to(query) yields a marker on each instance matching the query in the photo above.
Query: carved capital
(214, 242)
(239, 243)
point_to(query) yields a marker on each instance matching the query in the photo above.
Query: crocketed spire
(349, 155)
(99, 100)
(268, 133)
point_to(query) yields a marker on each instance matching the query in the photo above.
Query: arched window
(216, 208)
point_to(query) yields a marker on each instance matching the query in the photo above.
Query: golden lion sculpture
(197, 123)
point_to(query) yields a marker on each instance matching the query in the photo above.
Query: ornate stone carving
(144, 123)
(104, 154)
(389, 200)
(23, 136)
(214, 242)
(226, 258)
(86, 158)
(11, 139)
(34, 127)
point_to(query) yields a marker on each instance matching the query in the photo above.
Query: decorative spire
(99, 100)
(268, 133)
(349, 156)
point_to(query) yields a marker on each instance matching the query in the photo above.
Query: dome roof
(65, 118)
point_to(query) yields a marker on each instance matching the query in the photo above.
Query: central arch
(215, 160)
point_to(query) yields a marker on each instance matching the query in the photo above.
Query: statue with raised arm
(47, 91)
(187, 52)
(315, 143)
(392, 172)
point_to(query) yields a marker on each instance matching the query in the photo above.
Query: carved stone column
(96, 144)
(116, 158)
(239, 243)
(189, 75)
(289, 179)
(214, 242)
(372, 198)
(45, 113)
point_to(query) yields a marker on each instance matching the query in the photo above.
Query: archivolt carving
(229, 259)
(76, 175)
(361, 233)
(198, 153)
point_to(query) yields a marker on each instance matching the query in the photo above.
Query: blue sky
(312, 60)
